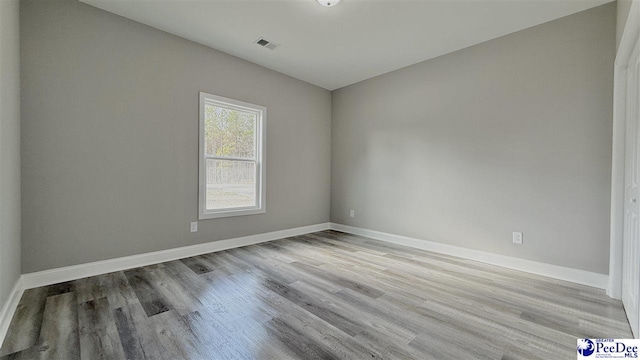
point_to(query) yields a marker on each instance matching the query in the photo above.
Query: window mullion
(228, 158)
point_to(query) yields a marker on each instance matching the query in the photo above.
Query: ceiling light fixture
(328, 3)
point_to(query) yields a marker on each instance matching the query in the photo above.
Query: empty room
(319, 179)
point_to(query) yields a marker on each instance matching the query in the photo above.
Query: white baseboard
(9, 308)
(534, 267)
(68, 273)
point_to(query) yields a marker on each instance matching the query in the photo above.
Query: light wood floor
(320, 296)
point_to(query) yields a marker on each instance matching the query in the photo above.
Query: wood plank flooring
(326, 295)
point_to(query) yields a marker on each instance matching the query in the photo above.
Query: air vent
(266, 43)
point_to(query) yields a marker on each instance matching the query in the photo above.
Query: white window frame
(260, 146)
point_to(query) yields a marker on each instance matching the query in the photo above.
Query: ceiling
(350, 42)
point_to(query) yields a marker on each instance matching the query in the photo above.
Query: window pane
(230, 184)
(229, 132)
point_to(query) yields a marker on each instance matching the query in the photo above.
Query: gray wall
(622, 13)
(110, 134)
(510, 135)
(9, 148)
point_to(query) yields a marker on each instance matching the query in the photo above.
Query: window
(231, 170)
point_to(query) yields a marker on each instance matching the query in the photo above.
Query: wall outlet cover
(517, 238)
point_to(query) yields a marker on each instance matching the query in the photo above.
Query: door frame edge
(629, 37)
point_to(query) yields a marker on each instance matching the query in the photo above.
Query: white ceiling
(350, 42)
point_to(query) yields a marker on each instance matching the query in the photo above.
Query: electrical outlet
(352, 213)
(194, 226)
(517, 238)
